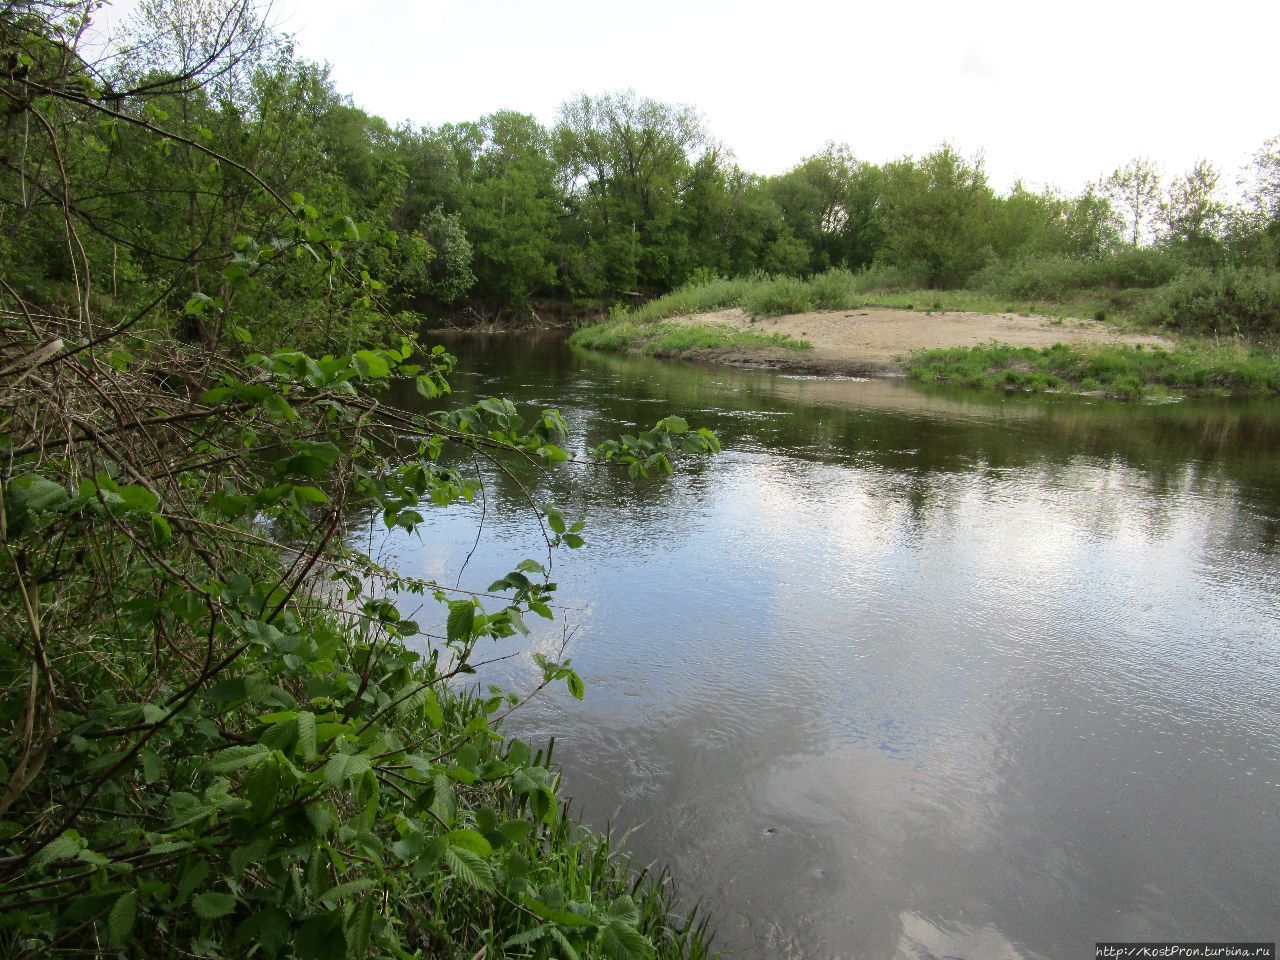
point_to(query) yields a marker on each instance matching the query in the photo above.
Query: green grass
(1115, 369)
(660, 339)
(771, 296)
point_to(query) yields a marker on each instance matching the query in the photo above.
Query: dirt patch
(876, 340)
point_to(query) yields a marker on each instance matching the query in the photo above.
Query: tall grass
(1117, 369)
(769, 295)
(662, 339)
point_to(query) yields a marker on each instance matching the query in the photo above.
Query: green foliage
(450, 273)
(775, 296)
(1119, 370)
(221, 735)
(675, 339)
(1057, 278)
(1244, 300)
(936, 216)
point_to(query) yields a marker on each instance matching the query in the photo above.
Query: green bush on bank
(1058, 278)
(1117, 369)
(1233, 301)
(661, 339)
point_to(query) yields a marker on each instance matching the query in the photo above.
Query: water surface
(907, 673)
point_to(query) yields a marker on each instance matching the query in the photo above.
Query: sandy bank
(876, 340)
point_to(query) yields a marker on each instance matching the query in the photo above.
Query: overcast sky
(1055, 93)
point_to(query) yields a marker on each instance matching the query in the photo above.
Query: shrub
(883, 276)
(834, 290)
(778, 296)
(1054, 278)
(1243, 300)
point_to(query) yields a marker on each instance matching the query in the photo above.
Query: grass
(1114, 369)
(1195, 366)
(771, 296)
(644, 329)
(662, 339)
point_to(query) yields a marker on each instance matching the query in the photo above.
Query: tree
(1090, 225)
(829, 202)
(937, 215)
(1192, 214)
(1134, 192)
(511, 208)
(626, 163)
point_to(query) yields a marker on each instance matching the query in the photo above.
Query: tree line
(621, 194)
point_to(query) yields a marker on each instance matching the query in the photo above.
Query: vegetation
(1117, 369)
(680, 339)
(221, 735)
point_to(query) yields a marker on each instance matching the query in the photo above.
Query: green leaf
(345, 766)
(370, 364)
(360, 928)
(211, 906)
(306, 745)
(233, 758)
(277, 407)
(33, 494)
(674, 425)
(122, 916)
(620, 941)
(558, 936)
(268, 929)
(194, 875)
(255, 852)
(526, 937)
(469, 868)
(623, 909)
(555, 519)
(138, 497)
(435, 716)
(574, 683)
(462, 616)
(345, 891)
(160, 529)
(469, 840)
(564, 918)
(322, 816)
(262, 787)
(65, 847)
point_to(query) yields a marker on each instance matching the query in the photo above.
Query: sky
(1055, 94)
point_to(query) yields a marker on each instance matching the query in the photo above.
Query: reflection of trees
(907, 439)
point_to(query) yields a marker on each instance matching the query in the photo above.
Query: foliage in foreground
(219, 735)
(1116, 369)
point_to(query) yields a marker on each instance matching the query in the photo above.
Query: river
(907, 673)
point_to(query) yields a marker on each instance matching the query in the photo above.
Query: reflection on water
(909, 673)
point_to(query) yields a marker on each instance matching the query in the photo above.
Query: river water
(906, 673)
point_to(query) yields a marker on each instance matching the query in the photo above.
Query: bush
(836, 289)
(883, 276)
(778, 296)
(1243, 300)
(1055, 278)
(1117, 369)
(696, 296)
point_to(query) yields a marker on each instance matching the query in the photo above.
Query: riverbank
(1006, 350)
(869, 341)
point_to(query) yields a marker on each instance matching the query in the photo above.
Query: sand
(876, 340)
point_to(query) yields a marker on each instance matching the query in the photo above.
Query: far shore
(876, 341)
